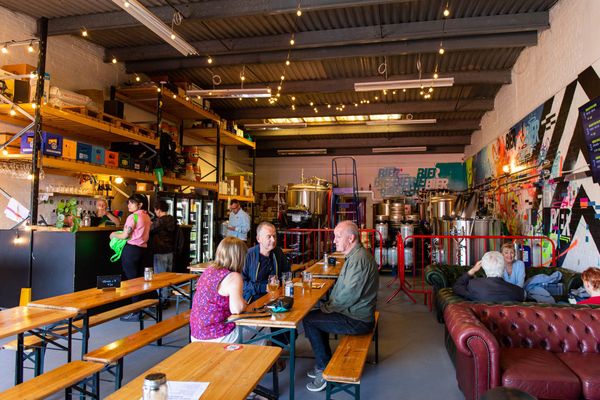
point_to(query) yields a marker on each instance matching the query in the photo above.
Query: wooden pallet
(110, 119)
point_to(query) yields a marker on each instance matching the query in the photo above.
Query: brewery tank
(310, 197)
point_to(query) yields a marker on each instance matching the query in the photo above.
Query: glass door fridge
(207, 224)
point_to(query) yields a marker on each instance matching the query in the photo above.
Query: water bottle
(325, 262)
(155, 387)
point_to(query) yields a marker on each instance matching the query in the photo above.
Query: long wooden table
(286, 322)
(85, 300)
(37, 321)
(232, 374)
(319, 270)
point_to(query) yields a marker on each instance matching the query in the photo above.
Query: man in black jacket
(162, 234)
(491, 288)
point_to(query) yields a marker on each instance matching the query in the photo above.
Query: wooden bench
(346, 366)
(66, 377)
(112, 354)
(37, 344)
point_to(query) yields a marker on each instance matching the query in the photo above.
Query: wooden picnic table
(85, 300)
(232, 373)
(40, 321)
(320, 270)
(304, 301)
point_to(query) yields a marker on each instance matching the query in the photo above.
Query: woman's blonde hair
(231, 254)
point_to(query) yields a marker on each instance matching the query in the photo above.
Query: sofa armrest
(570, 280)
(443, 276)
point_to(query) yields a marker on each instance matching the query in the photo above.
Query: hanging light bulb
(287, 62)
(328, 105)
(114, 60)
(174, 96)
(435, 75)
(12, 112)
(292, 41)
(430, 90)
(137, 78)
(30, 47)
(293, 107)
(299, 12)
(5, 49)
(158, 90)
(403, 90)
(173, 37)
(421, 93)
(33, 105)
(84, 32)
(187, 98)
(442, 51)
(293, 98)
(279, 87)
(209, 60)
(4, 152)
(243, 78)
(118, 180)
(311, 104)
(282, 77)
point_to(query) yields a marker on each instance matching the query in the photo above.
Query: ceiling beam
(396, 141)
(507, 40)
(347, 36)
(495, 77)
(215, 9)
(357, 151)
(379, 108)
(361, 129)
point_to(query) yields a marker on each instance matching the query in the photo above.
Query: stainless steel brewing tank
(486, 227)
(441, 206)
(309, 197)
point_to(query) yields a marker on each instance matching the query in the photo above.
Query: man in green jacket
(350, 309)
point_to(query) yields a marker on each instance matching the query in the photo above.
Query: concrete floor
(413, 362)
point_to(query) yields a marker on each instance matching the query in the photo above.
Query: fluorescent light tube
(302, 152)
(152, 22)
(276, 126)
(404, 84)
(401, 121)
(398, 149)
(231, 93)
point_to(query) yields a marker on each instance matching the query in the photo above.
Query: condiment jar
(155, 387)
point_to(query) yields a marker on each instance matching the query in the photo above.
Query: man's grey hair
(492, 263)
(262, 225)
(350, 228)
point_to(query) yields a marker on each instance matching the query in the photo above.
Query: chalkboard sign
(108, 281)
(590, 120)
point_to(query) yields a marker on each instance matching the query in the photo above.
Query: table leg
(85, 334)
(19, 360)
(292, 362)
(69, 339)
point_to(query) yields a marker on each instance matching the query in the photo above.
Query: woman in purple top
(219, 294)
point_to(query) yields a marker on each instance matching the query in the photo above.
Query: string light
(187, 98)
(292, 41)
(311, 104)
(209, 60)
(446, 11)
(430, 90)
(4, 49)
(282, 77)
(435, 75)
(174, 96)
(173, 37)
(30, 47)
(293, 98)
(114, 60)
(299, 12)
(287, 62)
(12, 112)
(442, 51)
(84, 32)
(137, 78)
(5, 152)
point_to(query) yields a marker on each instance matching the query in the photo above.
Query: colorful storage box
(98, 155)
(124, 160)
(69, 149)
(84, 152)
(51, 144)
(111, 158)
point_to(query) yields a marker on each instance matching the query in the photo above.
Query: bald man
(350, 309)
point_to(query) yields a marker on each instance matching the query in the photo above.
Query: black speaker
(114, 108)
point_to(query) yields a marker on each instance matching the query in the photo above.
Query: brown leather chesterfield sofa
(548, 352)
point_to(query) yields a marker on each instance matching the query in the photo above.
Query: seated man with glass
(263, 260)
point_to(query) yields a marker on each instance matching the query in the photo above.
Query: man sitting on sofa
(491, 288)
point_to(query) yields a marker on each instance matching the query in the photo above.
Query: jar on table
(155, 387)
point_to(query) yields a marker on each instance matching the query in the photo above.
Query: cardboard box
(51, 144)
(84, 152)
(111, 158)
(33, 86)
(69, 149)
(19, 69)
(96, 95)
(124, 160)
(98, 155)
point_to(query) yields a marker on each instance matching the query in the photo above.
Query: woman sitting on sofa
(514, 270)
(591, 283)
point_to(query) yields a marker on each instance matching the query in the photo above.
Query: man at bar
(350, 309)
(239, 221)
(491, 288)
(262, 260)
(104, 216)
(162, 239)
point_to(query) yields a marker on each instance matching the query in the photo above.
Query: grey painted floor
(413, 361)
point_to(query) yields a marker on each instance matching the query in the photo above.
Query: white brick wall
(563, 51)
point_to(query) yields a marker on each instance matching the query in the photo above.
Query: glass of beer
(307, 281)
(273, 286)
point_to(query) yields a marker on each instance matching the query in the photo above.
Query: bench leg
(159, 319)
(96, 382)
(275, 381)
(119, 374)
(357, 392)
(328, 391)
(19, 360)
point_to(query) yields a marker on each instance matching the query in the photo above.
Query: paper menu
(179, 390)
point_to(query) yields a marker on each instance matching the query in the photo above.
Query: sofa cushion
(587, 367)
(538, 372)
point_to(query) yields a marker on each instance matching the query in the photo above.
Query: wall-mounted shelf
(240, 198)
(78, 126)
(176, 108)
(184, 182)
(209, 135)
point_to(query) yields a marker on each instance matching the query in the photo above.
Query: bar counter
(63, 261)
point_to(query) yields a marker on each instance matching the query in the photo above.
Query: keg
(381, 257)
(392, 256)
(408, 258)
(405, 231)
(382, 218)
(382, 228)
(442, 206)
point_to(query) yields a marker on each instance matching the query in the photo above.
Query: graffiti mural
(536, 177)
(393, 182)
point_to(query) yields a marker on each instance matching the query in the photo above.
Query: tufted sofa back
(555, 329)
